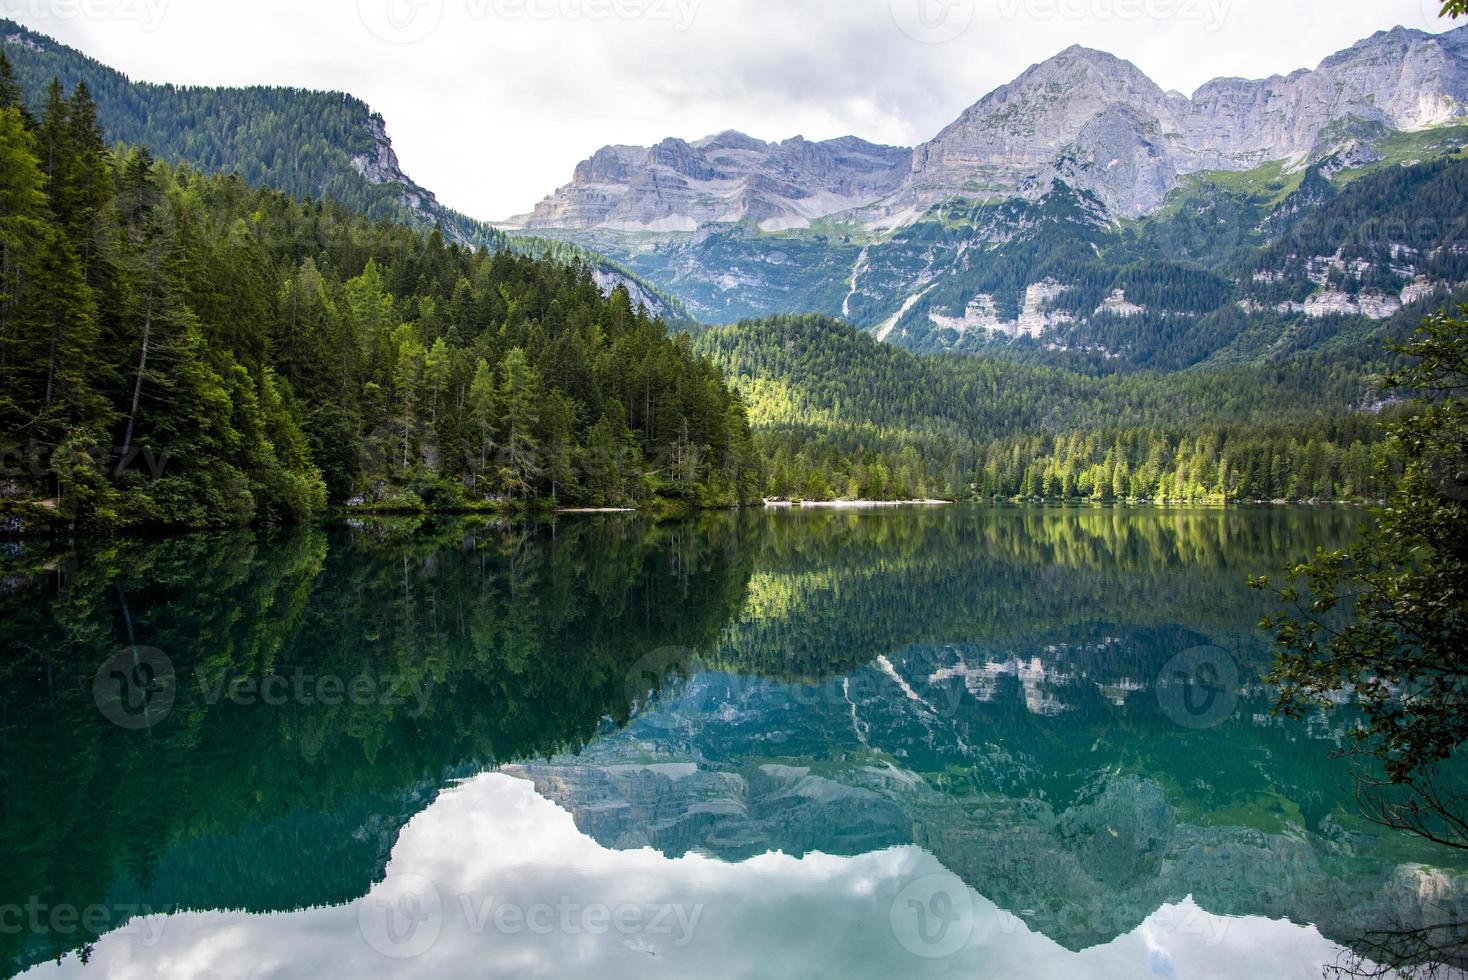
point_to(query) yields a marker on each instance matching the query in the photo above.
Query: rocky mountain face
(1048, 821)
(1083, 116)
(1083, 113)
(728, 178)
(1079, 211)
(1402, 79)
(1099, 123)
(378, 165)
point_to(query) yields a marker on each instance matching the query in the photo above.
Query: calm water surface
(969, 742)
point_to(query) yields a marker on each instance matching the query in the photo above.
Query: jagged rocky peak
(678, 185)
(732, 139)
(1050, 101)
(1084, 117)
(1401, 79)
(610, 163)
(1102, 124)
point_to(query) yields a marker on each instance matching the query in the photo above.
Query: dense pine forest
(190, 351)
(838, 414)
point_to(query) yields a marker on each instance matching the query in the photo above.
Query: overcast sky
(490, 103)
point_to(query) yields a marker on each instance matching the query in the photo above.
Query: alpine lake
(966, 741)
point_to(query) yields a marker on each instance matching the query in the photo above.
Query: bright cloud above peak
(491, 103)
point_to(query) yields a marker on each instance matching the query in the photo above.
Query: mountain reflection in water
(936, 742)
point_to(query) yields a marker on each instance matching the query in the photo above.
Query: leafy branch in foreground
(1383, 625)
(1406, 581)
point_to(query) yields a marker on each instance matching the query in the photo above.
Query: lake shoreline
(853, 504)
(33, 520)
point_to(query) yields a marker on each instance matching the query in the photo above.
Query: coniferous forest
(189, 351)
(841, 415)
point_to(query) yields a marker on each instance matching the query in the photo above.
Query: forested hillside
(187, 350)
(840, 414)
(308, 144)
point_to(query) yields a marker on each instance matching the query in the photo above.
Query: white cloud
(494, 881)
(492, 102)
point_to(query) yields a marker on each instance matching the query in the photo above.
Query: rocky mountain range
(733, 768)
(1084, 116)
(677, 186)
(1079, 214)
(1101, 124)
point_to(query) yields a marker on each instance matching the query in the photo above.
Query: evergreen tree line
(188, 350)
(839, 415)
(1325, 461)
(1333, 459)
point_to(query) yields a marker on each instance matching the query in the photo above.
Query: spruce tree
(22, 231)
(519, 398)
(483, 405)
(61, 331)
(11, 95)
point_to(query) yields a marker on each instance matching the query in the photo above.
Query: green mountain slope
(305, 143)
(838, 413)
(182, 350)
(309, 144)
(1235, 268)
